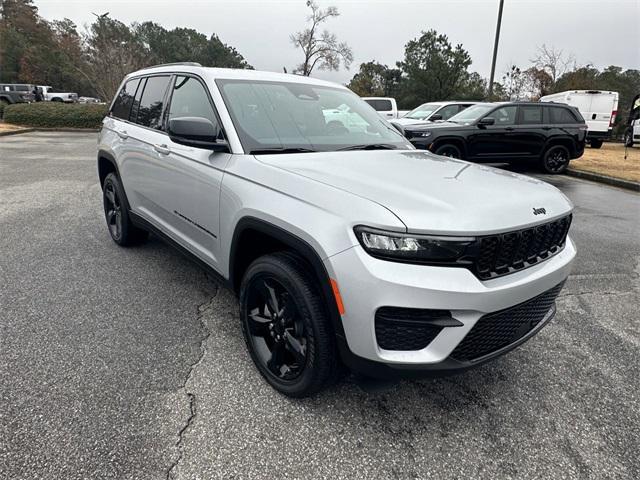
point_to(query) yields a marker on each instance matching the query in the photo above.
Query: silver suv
(344, 244)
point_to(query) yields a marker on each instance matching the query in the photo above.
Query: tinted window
(448, 111)
(561, 115)
(504, 115)
(122, 105)
(530, 114)
(190, 99)
(22, 88)
(380, 105)
(151, 102)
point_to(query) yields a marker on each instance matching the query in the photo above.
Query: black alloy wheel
(449, 150)
(116, 213)
(286, 325)
(276, 329)
(556, 159)
(113, 211)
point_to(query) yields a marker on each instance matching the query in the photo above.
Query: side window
(559, 115)
(189, 99)
(505, 115)
(448, 111)
(530, 114)
(124, 100)
(151, 102)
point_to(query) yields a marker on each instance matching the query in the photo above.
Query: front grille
(509, 252)
(500, 329)
(408, 328)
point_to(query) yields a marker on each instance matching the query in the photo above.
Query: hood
(430, 193)
(410, 121)
(437, 125)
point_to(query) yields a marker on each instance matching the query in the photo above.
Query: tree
(553, 61)
(320, 48)
(376, 80)
(433, 69)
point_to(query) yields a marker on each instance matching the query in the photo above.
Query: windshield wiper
(370, 146)
(260, 151)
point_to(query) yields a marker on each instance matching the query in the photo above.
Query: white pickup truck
(51, 94)
(385, 106)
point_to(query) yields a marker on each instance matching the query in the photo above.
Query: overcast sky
(603, 32)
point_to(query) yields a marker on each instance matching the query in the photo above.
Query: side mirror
(486, 121)
(435, 117)
(196, 132)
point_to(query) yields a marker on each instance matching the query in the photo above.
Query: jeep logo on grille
(538, 211)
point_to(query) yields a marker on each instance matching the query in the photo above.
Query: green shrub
(1, 109)
(55, 115)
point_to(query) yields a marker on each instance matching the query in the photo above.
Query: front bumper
(366, 284)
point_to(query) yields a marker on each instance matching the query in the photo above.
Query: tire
(556, 159)
(286, 327)
(596, 143)
(448, 150)
(57, 99)
(628, 139)
(116, 213)
(4, 101)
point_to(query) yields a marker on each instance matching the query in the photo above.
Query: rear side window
(561, 115)
(380, 105)
(152, 101)
(124, 100)
(530, 114)
(189, 99)
(449, 111)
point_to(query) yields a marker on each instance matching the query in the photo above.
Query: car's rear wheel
(448, 150)
(596, 143)
(285, 325)
(121, 229)
(556, 159)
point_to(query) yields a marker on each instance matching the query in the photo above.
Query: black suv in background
(552, 134)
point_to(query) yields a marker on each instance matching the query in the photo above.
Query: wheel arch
(457, 141)
(562, 141)
(253, 237)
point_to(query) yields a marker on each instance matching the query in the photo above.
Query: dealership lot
(130, 363)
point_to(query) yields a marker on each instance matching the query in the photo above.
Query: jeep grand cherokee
(344, 244)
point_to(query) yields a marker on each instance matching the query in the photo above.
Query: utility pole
(495, 48)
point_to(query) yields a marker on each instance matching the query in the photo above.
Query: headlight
(422, 134)
(413, 248)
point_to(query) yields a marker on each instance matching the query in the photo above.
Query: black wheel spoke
(259, 323)
(276, 361)
(295, 347)
(110, 195)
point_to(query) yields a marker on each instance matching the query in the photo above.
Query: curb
(597, 177)
(16, 132)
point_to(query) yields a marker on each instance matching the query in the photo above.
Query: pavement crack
(202, 309)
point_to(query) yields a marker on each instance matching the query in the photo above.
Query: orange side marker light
(336, 293)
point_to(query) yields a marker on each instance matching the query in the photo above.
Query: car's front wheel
(285, 325)
(121, 229)
(556, 159)
(596, 143)
(448, 150)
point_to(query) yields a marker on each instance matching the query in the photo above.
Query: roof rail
(185, 64)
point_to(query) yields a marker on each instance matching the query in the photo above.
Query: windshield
(423, 111)
(471, 114)
(288, 116)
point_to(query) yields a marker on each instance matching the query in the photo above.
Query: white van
(599, 109)
(385, 106)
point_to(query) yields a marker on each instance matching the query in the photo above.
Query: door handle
(123, 134)
(163, 149)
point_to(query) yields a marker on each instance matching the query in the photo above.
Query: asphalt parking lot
(129, 363)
